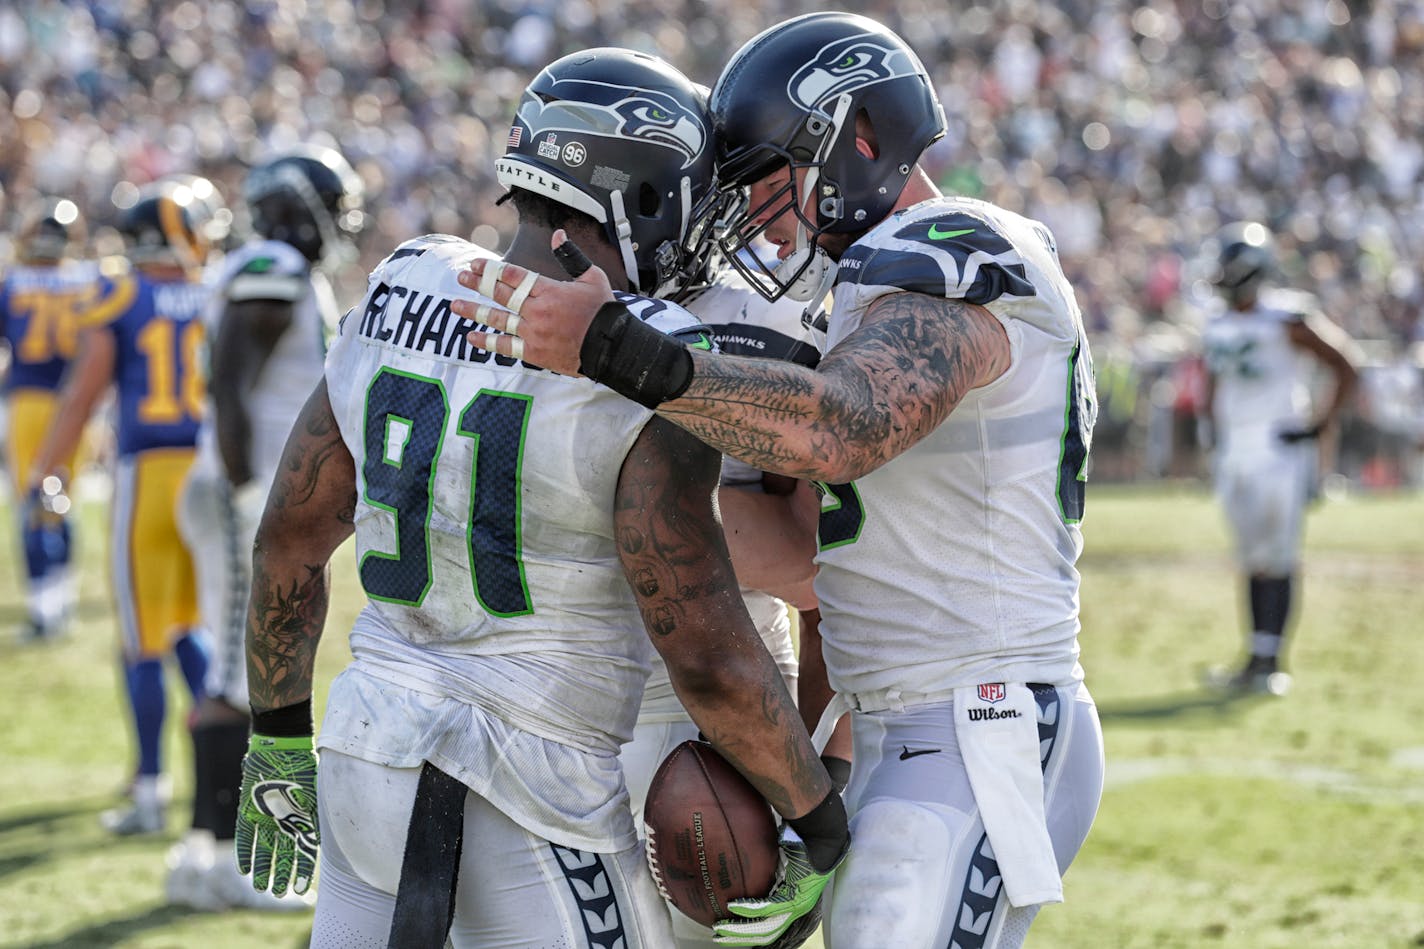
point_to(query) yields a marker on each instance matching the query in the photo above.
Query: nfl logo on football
(991, 692)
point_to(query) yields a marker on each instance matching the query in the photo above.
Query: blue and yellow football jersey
(41, 309)
(158, 370)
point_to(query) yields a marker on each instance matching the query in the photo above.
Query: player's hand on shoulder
(543, 320)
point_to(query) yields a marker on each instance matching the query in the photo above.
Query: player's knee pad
(893, 886)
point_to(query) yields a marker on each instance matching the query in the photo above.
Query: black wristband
(289, 721)
(633, 359)
(825, 832)
(838, 769)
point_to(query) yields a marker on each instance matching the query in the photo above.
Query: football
(710, 836)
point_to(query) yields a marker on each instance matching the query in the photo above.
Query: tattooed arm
(310, 511)
(878, 392)
(675, 558)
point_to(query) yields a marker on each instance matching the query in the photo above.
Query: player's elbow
(703, 677)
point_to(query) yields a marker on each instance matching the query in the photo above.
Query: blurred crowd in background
(1133, 130)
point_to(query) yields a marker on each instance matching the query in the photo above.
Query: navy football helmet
(624, 138)
(310, 198)
(1246, 258)
(790, 98)
(47, 231)
(161, 227)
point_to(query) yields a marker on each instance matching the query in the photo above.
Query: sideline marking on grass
(1130, 771)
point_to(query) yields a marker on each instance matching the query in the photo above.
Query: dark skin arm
(310, 512)
(881, 390)
(670, 542)
(813, 688)
(247, 335)
(1335, 350)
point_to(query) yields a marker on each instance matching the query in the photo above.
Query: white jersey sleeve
(954, 563)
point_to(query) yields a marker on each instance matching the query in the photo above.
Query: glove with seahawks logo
(794, 898)
(277, 835)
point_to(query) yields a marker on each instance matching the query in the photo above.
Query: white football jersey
(484, 535)
(743, 323)
(1261, 378)
(272, 270)
(954, 563)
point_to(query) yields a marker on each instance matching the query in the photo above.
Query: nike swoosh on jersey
(907, 754)
(937, 235)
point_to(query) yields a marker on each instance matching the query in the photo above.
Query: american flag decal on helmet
(516, 135)
(991, 691)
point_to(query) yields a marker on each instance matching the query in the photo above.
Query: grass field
(1253, 823)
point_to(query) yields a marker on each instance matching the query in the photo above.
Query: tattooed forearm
(676, 561)
(285, 615)
(314, 450)
(882, 389)
(309, 513)
(667, 535)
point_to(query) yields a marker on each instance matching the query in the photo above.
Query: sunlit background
(1133, 130)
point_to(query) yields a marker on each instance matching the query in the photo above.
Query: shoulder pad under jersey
(949, 254)
(669, 318)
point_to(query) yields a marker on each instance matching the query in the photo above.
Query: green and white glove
(277, 836)
(796, 893)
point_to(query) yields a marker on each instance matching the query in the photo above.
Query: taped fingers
(515, 346)
(521, 293)
(489, 280)
(573, 260)
(494, 317)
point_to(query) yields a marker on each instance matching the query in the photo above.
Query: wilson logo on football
(991, 692)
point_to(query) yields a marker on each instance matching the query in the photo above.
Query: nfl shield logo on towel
(991, 692)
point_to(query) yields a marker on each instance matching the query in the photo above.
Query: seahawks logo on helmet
(642, 114)
(662, 119)
(846, 65)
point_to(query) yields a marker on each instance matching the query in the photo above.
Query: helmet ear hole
(866, 141)
(650, 201)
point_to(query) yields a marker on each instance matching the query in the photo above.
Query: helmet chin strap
(624, 230)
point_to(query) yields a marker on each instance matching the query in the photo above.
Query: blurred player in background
(949, 421)
(41, 297)
(268, 316)
(1260, 350)
(511, 525)
(147, 341)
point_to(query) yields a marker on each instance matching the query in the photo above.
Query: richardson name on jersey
(991, 714)
(423, 323)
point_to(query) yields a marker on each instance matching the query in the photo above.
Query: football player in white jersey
(949, 422)
(1259, 351)
(515, 529)
(267, 321)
